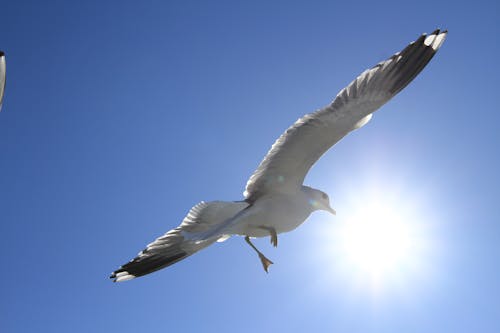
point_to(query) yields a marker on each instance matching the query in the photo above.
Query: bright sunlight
(381, 238)
(378, 239)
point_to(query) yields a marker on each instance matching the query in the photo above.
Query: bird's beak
(331, 210)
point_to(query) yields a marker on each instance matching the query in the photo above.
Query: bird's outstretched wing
(203, 225)
(292, 155)
(2, 77)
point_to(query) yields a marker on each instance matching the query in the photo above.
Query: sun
(382, 239)
(385, 239)
(378, 239)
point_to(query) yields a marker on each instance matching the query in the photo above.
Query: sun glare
(381, 239)
(377, 239)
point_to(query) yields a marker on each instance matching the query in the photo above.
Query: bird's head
(318, 200)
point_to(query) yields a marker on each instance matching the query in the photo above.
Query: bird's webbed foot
(265, 261)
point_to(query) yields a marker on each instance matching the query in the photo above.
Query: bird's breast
(283, 213)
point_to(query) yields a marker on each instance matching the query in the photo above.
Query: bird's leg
(265, 262)
(272, 232)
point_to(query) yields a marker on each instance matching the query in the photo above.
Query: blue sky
(119, 116)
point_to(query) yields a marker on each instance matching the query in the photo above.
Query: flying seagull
(275, 200)
(2, 77)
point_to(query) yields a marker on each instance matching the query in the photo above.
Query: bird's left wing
(204, 224)
(292, 155)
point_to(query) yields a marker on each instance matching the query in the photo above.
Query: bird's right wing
(2, 77)
(292, 155)
(203, 225)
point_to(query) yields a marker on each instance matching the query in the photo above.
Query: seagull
(275, 199)
(2, 77)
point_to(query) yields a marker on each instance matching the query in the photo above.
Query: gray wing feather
(293, 154)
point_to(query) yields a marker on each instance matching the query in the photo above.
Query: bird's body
(276, 201)
(281, 211)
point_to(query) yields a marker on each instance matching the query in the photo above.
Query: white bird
(275, 199)
(2, 77)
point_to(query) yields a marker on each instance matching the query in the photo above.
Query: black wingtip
(419, 40)
(414, 58)
(2, 53)
(144, 265)
(435, 32)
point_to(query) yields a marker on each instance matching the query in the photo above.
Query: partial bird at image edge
(2, 77)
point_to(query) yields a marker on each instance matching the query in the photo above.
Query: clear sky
(119, 116)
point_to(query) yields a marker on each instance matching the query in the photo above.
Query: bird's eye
(324, 196)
